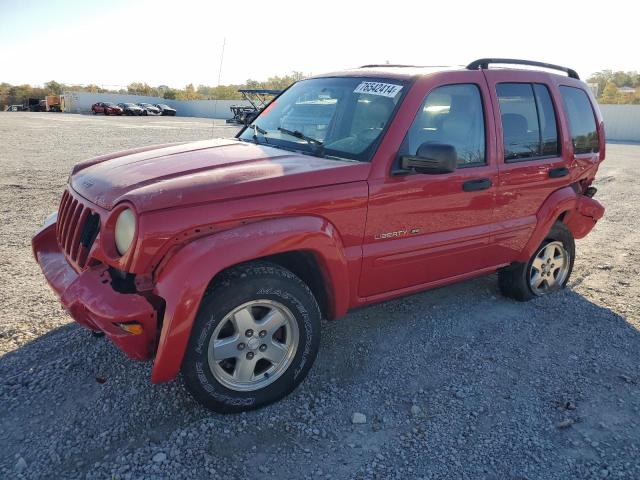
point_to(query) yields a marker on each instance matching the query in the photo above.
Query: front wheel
(255, 338)
(547, 270)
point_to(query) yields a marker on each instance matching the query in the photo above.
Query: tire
(518, 279)
(267, 291)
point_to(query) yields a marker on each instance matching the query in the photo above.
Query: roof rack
(483, 63)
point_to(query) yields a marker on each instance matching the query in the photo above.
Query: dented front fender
(184, 278)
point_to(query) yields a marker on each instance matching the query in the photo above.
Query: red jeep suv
(218, 258)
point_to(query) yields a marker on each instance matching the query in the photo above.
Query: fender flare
(185, 277)
(562, 200)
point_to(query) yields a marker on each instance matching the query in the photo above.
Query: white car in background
(148, 109)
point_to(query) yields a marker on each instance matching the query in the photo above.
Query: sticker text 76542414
(378, 88)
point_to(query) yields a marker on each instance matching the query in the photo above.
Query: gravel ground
(457, 382)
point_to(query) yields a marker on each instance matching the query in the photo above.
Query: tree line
(611, 86)
(18, 94)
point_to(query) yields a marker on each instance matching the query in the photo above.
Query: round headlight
(125, 230)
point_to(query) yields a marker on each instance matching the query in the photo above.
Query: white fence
(80, 102)
(621, 122)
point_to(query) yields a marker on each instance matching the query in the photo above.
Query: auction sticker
(378, 88)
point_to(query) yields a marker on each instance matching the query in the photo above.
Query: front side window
(528, 121)
(582, 123)
(452, 115)
(341, 117)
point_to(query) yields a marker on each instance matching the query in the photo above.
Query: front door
(424, 228)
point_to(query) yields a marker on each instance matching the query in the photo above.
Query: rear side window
(582, 123)
(451, 114)
(528, 121)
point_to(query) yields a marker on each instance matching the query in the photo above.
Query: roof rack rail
(402, 66)
(483, 63)
(373, 65)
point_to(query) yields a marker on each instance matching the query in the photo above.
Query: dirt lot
(457, 382)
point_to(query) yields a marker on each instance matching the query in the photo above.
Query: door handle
(558, 172)
(476, 185)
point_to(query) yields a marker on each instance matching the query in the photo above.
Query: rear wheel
(255, 338)
(547, 271)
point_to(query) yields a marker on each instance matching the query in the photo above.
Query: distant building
(627, 90)
(594, 87)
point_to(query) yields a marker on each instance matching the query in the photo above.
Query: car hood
(153, 178)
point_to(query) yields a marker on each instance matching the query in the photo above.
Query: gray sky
(116, 42)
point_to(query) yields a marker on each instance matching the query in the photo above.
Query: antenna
(224, 41)
(215, 101)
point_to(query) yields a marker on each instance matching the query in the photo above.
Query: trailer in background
(258, 98)
(52, 103)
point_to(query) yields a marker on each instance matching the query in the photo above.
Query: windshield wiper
(310, 140)
(257, 130)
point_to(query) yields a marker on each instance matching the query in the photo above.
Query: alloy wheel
(549, 268)
(253, 345)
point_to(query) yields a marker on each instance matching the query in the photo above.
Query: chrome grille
(76, 228)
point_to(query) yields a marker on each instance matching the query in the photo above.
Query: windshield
(344, 116)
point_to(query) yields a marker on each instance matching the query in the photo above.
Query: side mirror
(431, 158)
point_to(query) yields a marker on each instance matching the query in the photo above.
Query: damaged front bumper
(91, 300)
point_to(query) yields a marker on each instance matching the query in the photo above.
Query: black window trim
(593, 113)
(394, 164)
(559, 139)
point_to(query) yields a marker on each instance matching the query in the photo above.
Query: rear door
(531, 160)
(425, 228)
(586, 138)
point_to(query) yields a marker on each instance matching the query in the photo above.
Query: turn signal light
(132, 328)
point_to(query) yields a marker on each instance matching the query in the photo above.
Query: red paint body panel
(206, 206)
(454, 227)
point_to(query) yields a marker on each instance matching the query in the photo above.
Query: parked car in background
(165, 109)
(131, 109)
(16, 108)
(149, 109)
(107, 108)
(219, 258)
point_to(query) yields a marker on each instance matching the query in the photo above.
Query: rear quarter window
(582, 122)
(528, 121)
